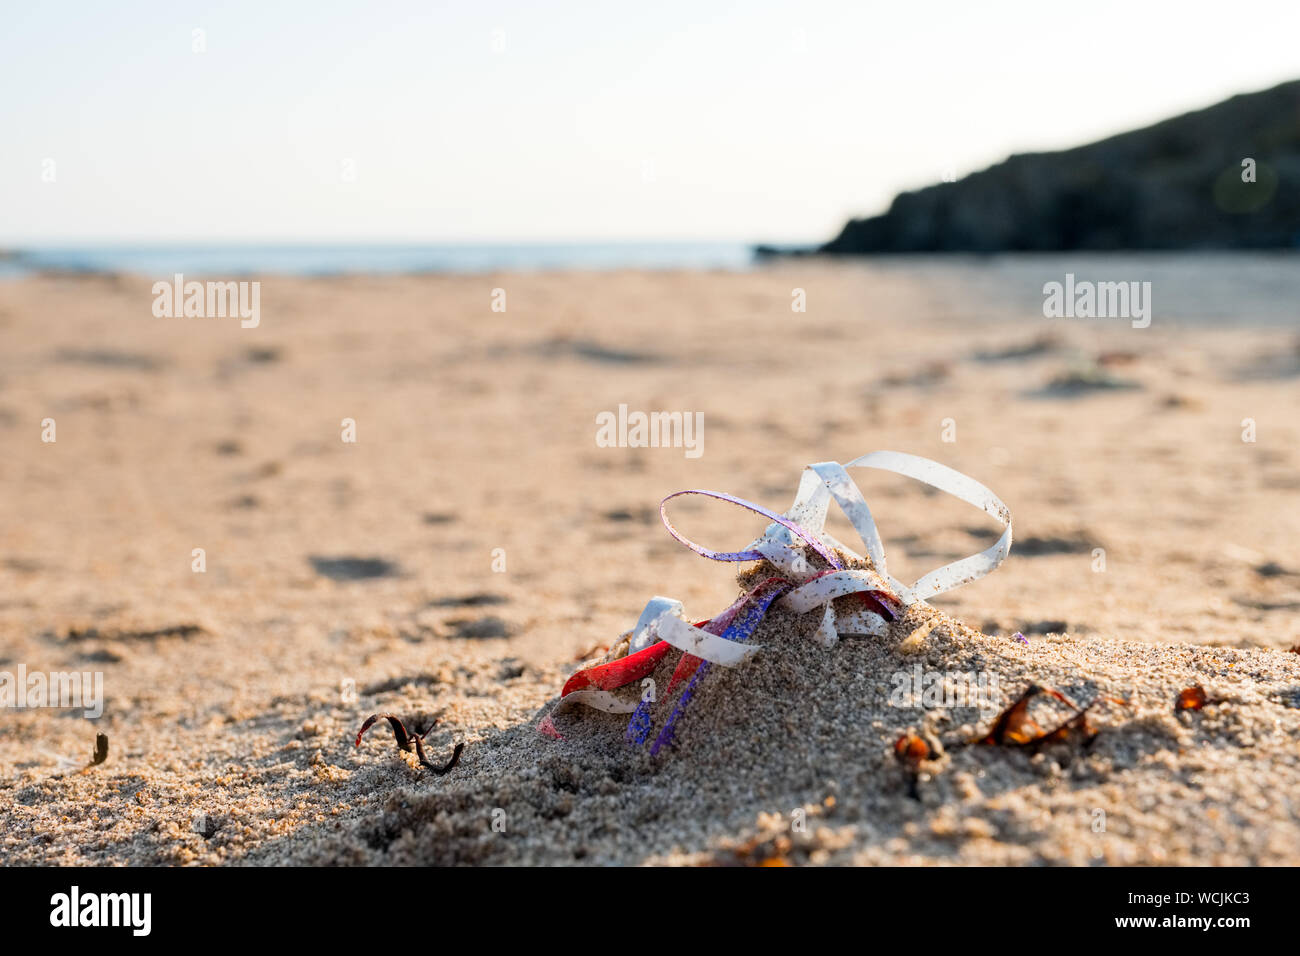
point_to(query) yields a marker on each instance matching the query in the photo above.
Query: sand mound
(790, 758)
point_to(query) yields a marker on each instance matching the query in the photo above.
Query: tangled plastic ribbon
(798, 586)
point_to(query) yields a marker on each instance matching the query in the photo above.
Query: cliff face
(1175, 185)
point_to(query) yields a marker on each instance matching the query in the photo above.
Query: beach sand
(474, 545)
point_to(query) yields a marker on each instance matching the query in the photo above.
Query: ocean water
(1225, 288)
(1203, 288)
(224, 260)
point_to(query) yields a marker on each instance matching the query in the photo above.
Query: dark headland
(1183, 183)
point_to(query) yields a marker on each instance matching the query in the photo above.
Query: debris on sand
(101, 751)
(405, 740)
(802, 571)
(1015, 728)
(1191, 698)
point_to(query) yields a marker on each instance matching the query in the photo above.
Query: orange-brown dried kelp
(759, 851)
(1014, 727)
(1192, 698)
(405, 740)
(911, 750)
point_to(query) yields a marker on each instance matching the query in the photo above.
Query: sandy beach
(475, 544)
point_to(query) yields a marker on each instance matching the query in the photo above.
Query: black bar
(426, 905)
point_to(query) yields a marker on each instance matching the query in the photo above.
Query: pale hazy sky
(571, 120)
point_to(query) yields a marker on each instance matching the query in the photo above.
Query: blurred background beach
(392, 173)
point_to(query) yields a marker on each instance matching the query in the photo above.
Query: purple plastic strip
(666, 735)
(740, 629)
(808, 536)
(638, 727)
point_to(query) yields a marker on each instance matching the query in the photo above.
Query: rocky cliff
(1184, 183)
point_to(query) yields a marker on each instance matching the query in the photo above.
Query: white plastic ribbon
(662, 620)
(643, 632)
(784, 544)
(837, 584)
(693, 640)
(596, 700)
(826, 481)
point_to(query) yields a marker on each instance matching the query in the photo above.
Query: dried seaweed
(911, 749)
(405, 741)
(1014, 727)
(1191, 698)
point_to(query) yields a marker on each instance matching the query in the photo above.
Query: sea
(1204, 287)
(317, 259)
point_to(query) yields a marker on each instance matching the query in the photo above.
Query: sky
(529, 121)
